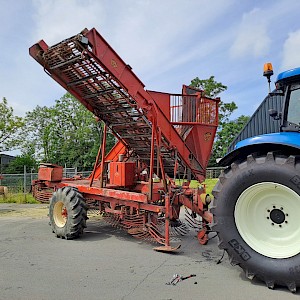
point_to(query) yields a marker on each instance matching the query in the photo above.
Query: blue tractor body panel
(281, 138)
(287, 142)
(288, 74)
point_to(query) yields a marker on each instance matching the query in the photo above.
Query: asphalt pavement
(107, 263)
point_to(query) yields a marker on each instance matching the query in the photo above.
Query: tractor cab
(288, 85)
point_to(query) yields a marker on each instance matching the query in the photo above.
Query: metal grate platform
(107, 99)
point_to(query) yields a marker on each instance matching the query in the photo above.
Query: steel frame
(165, 133)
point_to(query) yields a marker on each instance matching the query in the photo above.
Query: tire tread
(77, 213)
(225, 179)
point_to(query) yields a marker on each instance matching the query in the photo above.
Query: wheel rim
(267, 217)
(60, 214)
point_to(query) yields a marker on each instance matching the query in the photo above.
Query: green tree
(227, 129)
(210, 86)
(10, 127)
(65, 133)
(78, 131)
(226, 135)
(38, 132)
(17, 165)
(212, 89)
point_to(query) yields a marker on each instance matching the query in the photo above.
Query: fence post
(25, 183)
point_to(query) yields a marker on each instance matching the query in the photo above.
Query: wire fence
(214, 172)
(21, 183)
(16, 182)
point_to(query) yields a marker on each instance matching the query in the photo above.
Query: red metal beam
(123, 73)
(109, 192)
(103, 54)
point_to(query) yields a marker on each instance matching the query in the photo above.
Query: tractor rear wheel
(68, 213)
(256, 216)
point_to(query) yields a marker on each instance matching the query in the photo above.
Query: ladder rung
(67, 62)
(99, 93)
(113, 103)
(117, 110)
(75, 82)
(136, 136)
(123, 124)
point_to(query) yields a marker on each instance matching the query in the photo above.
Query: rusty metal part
(138, 226)
(177, 227)
(202, 236)
(175, 279)
(200, 226)
(112, 219)
(160, 136)
(168, 249)
(96, 75)
(42, 194)
(50, 172)
(191, 219)
(180, 230)
(133, 221)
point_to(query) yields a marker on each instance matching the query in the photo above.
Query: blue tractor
(257, 198)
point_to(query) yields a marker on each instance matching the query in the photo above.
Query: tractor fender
(287, 143)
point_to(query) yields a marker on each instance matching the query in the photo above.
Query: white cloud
(252, 36)
(56, 20)
(157, 34)
(166, 42)
(291, 58)
(147, 34)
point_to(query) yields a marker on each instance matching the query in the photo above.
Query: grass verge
(19, 198)
(209, 184)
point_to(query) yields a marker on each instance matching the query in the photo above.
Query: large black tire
(68, 213)
(257, 218)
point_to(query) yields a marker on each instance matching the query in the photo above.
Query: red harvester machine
(161, 137)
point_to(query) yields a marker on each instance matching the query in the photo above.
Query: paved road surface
(106, 263)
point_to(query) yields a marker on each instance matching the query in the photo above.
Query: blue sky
(167, 42)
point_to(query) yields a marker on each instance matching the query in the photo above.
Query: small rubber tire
(67, 213)
(251, 218)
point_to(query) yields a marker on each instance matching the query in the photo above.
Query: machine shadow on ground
(97, 230)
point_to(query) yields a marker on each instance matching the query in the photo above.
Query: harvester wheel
(256, 216)
(68, 213)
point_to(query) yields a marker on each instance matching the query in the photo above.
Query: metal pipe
(151, 162)
(95, 166)
(161, 163)
(167, 221)
(103, 155)
(25, 183)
